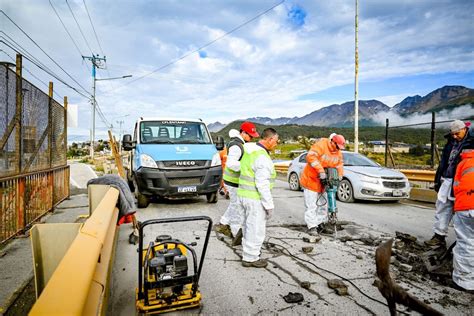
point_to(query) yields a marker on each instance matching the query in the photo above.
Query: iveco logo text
(185, 163)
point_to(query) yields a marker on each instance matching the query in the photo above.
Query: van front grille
(185, 181)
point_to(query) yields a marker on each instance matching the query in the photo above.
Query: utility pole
(356, 85)
(97, 62)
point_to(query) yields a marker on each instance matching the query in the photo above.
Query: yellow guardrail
(79, 284)
(282, 167)
(419, 175)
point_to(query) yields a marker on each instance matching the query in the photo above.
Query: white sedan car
(363, 179)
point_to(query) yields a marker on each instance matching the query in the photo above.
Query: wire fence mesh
(41, 144)
(34, 175)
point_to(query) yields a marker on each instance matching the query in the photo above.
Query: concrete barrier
(79, 284)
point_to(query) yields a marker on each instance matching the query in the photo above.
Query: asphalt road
(227, 287)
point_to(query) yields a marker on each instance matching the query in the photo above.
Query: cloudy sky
(224, 60)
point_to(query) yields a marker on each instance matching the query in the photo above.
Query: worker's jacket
(463, 183)
(235, 151)
(223, 155)
(257, 175)
(319, 157)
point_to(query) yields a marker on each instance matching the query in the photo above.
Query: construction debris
(339, 286)
(293, 297)
(392, 292)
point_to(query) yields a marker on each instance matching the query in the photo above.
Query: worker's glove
(323, 178)
(437, 186)
(340, 178)
(269, 213)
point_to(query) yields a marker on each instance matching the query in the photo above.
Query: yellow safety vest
(247, 187)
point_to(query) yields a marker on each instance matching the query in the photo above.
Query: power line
(33, 75)
(42, 67)
(65, 28)
(207, 44)
(67, 31)
(21, 49)
(93, 28)
(77, 23)
(29, 37)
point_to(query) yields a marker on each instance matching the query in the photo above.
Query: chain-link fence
(33, 169)
(41, 143)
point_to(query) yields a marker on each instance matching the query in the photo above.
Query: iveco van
(172, 158)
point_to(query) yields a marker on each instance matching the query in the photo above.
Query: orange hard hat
(339, 140)
(249, 128)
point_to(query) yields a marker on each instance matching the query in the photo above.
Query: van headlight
(147, 161)
(216, 160)
(369, 179)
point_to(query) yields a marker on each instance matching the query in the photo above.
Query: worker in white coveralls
(230, 223)
(257, 177)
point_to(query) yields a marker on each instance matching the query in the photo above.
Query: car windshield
(173, 132)
(353, 159)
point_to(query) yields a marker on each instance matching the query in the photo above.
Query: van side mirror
(127, 143)
(220, 143)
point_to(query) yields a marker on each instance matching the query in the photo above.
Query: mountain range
(341, 115)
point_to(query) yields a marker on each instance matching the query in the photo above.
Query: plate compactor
(164, 281)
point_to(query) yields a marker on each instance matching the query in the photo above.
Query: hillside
(419, 136)
(341, 115)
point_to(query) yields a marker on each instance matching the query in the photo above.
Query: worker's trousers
(315, 208)
(232, 216)
(444, 208)
(463, 252)
(253, 230)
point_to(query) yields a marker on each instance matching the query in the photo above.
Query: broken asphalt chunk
(312, 239)
(293, 297)
(339, 286)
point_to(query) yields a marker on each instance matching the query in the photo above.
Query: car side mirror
(220, 143)
(127, 143)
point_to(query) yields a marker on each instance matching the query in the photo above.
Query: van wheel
(211, 197)
(142, 200)
(129, 181)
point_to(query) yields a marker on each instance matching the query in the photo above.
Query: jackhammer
(331, 184)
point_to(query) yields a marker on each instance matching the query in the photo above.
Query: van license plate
(397, 193)
(187, 189)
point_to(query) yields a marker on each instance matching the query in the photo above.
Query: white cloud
(445, 115)
(260, 69)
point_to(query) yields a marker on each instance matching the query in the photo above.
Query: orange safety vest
(463, 183)
(223, 155)
(321, 155)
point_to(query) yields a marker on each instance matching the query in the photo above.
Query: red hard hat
(339, 140)
(249, 128)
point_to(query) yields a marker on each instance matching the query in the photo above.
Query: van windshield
(173, 132)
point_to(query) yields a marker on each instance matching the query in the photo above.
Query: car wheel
(345, 192)
(211, 197)
(294, 182)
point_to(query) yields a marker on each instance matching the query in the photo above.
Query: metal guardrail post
(18, 113)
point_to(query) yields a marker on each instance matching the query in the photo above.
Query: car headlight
(369, 179)
(216, 160)
(147, 161)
